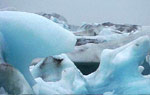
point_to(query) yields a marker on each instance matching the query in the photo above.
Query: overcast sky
(90, 11)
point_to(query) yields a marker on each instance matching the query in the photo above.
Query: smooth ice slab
(27, 36)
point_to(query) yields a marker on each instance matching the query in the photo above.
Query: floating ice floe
(118, 73)
(82, 40)
(26, 36)
(88, 50)
(96, 28)
(58, 75)
(60, 20)
(50, 68)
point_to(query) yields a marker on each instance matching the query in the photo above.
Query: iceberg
(82, 40)
(94, 29)
(70, 83)
(119, 70)
(50, 69)
(121, 50)
(60, 20)
(26, 36)
(60, 77)
(89, 48)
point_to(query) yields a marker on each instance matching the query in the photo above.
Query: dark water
(146, 68)
(87, 67)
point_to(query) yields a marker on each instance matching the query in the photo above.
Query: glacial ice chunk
(71, 83)
(90, 51)
(27, 36)
(50, 68)
(58, 75)
(119, 71)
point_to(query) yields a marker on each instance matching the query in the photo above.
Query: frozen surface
(82, 40)
(121, 50)
(89, 52)
(50, 68)
(62, 77)
(94, 29)
(118, 73)
(56, 18)
(27, 36)
(70, 83)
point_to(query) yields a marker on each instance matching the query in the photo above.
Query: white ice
(119, 73)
